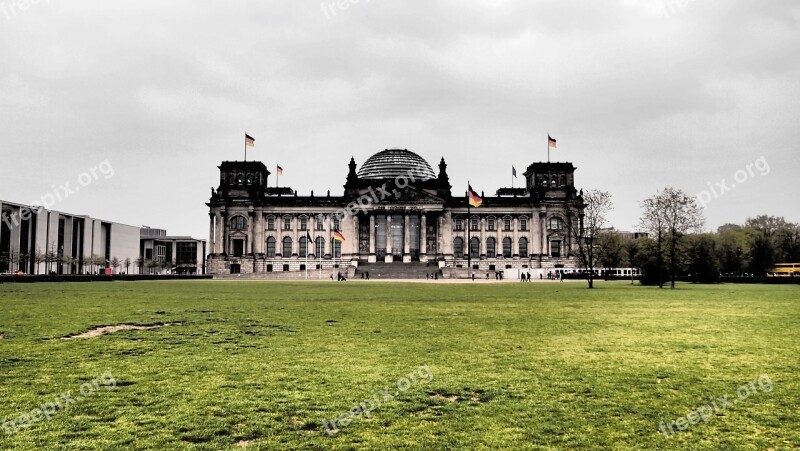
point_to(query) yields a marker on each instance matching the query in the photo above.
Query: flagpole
(469, 235)
(548, 147)
(245, 146)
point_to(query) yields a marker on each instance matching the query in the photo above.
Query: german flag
(474, 199)
(551, 142)
(338, 236)
(280, 170)
(249, 141)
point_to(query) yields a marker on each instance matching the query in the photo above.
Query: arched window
(507, 223)
(507, 247)
(238, 223)
(287, 222)
(270, 222)
(287, 247)
(523, 247)
(491, 247)
(303, 247)
(490, 223)
(271, 247)
(556, 223)
(474, 248)
(523, 223)
(303, 222)
(319, 247)
(458, 247)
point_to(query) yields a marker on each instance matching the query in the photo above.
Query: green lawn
(257, 365)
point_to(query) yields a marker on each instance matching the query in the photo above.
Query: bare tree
(39, 257)
(115, 263)
(127, 264)
(669, 215)
(590, 224)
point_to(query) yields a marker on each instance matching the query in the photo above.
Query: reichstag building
(394, 212)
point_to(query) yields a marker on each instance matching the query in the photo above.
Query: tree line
(677, 246)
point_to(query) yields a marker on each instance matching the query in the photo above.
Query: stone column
(388, 237)
(251, 232)
(295, 235)
(543, 228)
(218, 246)
(482, 247)
(407, 239)
(356, 236)
(372, 235)
(210, 233)
(515, 240)
(423, 235)
(225, 234)
(259, 235)
(329, 234)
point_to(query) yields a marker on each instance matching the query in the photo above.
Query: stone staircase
(378, 271)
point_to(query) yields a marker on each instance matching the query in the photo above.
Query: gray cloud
(638, 100)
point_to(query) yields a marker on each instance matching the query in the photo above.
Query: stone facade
(395, 209)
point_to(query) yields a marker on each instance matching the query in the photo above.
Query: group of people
(525, 276)
(434, 276)
(555, 275)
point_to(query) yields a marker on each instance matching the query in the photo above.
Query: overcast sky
(641, 94)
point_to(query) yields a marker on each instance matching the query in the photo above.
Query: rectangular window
(238, 248)
(287, 223)
(458, 224)
(474, 224)
(490, 224)
(271, 223)
(555, 248)
(320, 223)
(303, 223)
(523, 224)
(507, 224)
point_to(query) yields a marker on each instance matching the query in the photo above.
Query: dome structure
(393, 163)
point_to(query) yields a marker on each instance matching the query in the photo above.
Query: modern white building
(34, 240)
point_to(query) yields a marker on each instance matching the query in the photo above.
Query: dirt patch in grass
(243, 443)
(97, 331)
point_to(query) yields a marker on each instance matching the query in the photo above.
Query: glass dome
(392, 163)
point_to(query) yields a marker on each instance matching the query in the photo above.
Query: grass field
(487, 366)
